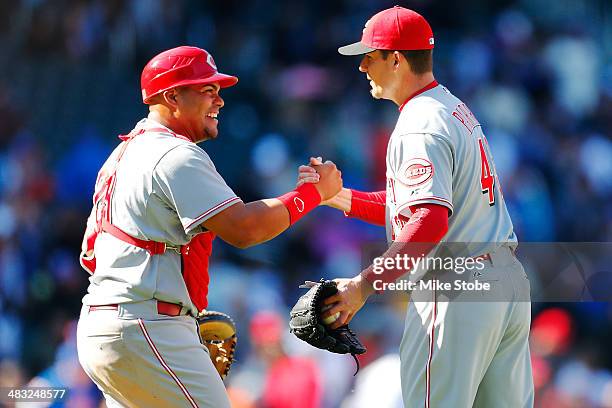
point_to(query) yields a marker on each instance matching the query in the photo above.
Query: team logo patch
(210, 61)
(365, 26)
(418, 171)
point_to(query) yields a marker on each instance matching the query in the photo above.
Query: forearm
(244, 225)
(368, 207)
(341, 201)
(264, 220)
(425, 229)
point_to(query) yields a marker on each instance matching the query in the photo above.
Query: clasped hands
(352, 293)
(326, 177)
(310, 174)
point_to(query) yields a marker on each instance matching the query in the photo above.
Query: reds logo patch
(417, 172)
(365, 26)
(210, 61)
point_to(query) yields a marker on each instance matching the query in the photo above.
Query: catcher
(158, 204)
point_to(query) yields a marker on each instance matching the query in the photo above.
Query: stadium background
(537, 73)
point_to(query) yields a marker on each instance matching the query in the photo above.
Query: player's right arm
(186, 180)
(244, 225)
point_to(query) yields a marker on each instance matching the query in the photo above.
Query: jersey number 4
(487, 178)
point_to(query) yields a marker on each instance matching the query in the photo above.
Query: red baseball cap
(396, 28)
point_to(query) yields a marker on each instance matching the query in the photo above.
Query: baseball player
(158, 205)
(441, 187)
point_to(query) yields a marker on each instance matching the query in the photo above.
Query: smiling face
(197, 107)
(379, 71)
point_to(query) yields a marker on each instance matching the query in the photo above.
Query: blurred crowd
(537, 74)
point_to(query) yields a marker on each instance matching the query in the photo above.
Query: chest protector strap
(194, 255)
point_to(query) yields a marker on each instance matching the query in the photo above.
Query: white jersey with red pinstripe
(438, 154)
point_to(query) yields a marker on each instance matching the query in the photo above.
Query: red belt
(485, 257)
(165, 308)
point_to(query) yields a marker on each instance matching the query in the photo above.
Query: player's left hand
(307, 174)
(351, 296)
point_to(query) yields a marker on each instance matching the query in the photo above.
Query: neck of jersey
(427, 87)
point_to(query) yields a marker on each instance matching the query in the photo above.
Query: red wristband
(300, 201)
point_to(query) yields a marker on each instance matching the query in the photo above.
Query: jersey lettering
(391, 186)
(487, 178)
(399, 221)
(464, 115)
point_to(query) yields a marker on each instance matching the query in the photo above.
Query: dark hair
(420, 61)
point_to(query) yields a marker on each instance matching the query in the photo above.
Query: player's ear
(170, 97)
(397, 56)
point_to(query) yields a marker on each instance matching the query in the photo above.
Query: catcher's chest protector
(195, 267)
(195, 254)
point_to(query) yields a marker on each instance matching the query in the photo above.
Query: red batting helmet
(181, 66)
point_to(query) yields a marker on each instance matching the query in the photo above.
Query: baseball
(330, 319)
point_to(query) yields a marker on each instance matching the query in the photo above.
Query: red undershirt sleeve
(368, 207)
(425, 229)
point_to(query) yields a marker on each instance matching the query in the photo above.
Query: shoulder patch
(416, 172)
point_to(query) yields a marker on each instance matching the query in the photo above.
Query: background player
(441, 186)
(159, 203)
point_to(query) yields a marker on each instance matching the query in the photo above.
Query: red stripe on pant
(166, 366)
(432, 342)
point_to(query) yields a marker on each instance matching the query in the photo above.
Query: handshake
(327, 179)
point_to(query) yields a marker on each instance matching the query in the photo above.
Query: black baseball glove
(306, 323)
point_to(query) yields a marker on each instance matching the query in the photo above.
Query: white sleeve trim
(426, 200)
(212, 211)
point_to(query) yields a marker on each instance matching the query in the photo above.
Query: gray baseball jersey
(166, 186)
(438, 154)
